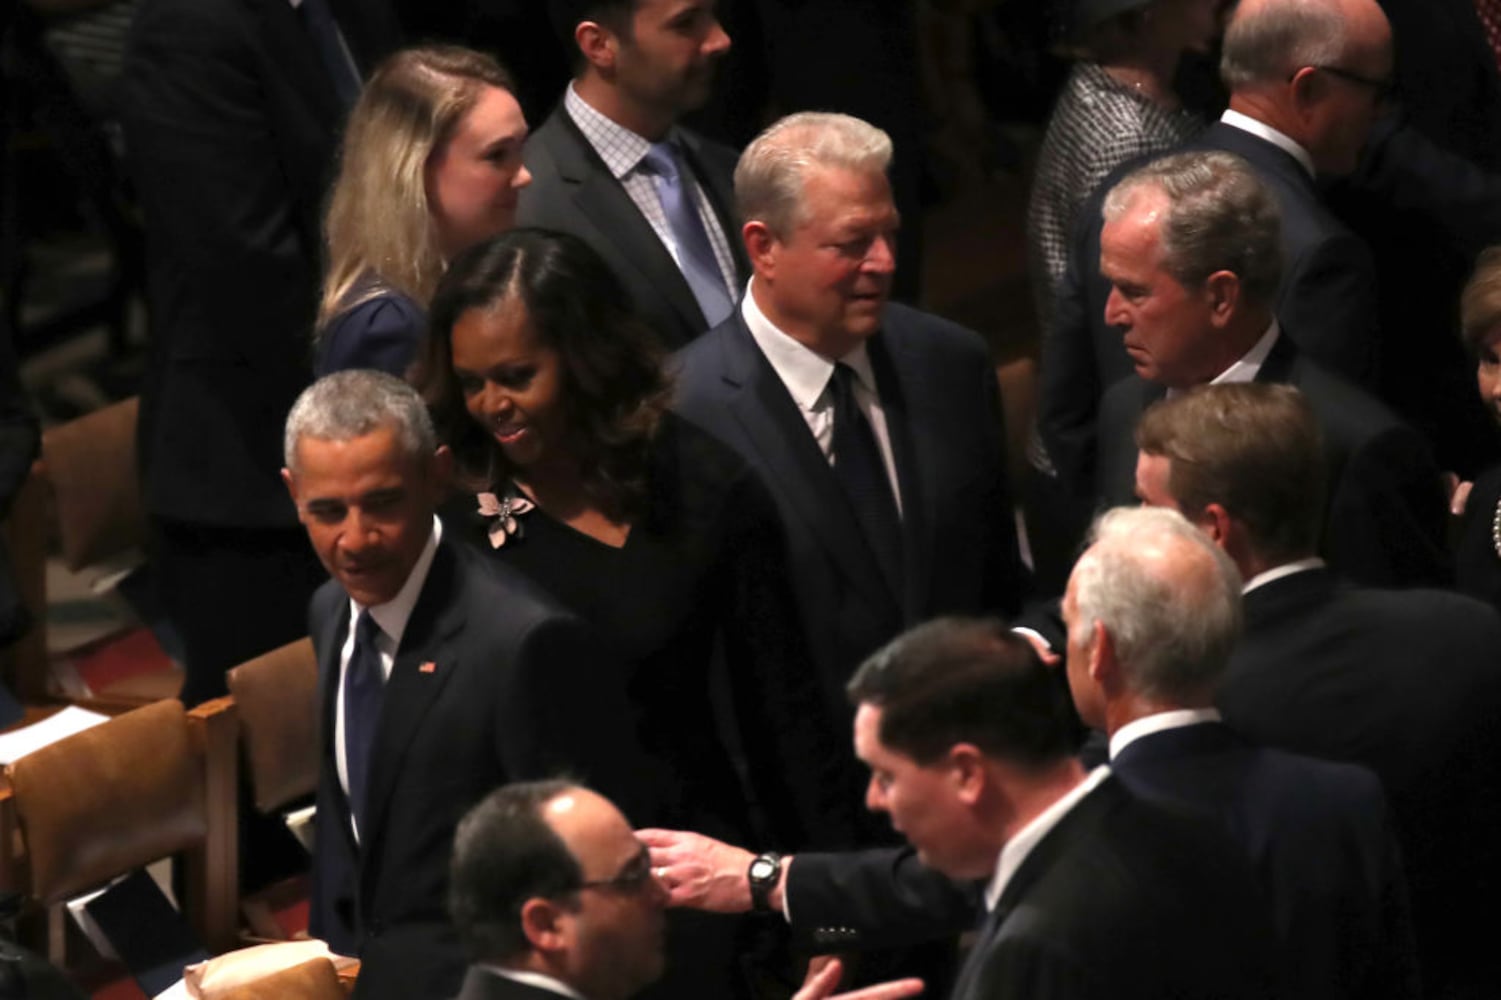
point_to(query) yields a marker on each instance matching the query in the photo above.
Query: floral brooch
(503, 512)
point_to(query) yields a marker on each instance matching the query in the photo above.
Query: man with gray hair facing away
(1401, 681)
(1153, 613)
(1191, 248)
(440, 676)
(877, 426)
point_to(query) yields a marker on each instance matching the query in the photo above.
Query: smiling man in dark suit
(876, 426)
(441, 676)
(612, 166)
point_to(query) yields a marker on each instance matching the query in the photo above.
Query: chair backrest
(276, 696)
(313, 980)
(151, 782)
(109, 800)
(91, 465)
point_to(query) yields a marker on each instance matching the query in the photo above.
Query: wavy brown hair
(378, 223)
(615, 390)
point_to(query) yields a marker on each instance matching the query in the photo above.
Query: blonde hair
(378, 223)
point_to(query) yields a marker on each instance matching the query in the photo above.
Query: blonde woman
(431, 165)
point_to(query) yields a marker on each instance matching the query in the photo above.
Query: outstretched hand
(699, 872)
(821, 983)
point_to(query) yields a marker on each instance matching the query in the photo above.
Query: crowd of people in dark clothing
(636, 512)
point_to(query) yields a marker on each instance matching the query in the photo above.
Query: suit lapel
(424, 663)
(913, 476)
(798, 470)
(333, 631)
(604, 202)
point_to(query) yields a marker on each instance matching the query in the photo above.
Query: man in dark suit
(1090, 893)
(611, 166)
(1190, 248)
(877, 426)
(1153, 612)
(1305, 81)
(232, 113)
(440, 677)
(1403, 682)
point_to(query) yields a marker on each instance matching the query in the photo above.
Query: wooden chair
(153, 782)
(85, 492)
(276, 697)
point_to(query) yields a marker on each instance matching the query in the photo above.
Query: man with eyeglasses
(1307, 79)
(553, 895)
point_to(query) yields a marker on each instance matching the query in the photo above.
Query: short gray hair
(1220, 217)
(1174, 624)
(1269, 41)
(351, 404)
(769, 177)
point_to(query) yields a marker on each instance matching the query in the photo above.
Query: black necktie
(364, 684)
(862, 473)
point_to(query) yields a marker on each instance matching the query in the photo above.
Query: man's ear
(760, 248)
(543, 923)
(597, 43)
(1102, 661)
(1222, 289)
(1306, 88)
(291, 481)
(1214, 520)
(967, 766)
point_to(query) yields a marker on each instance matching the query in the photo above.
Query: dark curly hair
(615, 390)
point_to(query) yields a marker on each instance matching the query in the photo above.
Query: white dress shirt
(1264, 131)
(1278, 572)
(1160, 722)
(540, 980)
(1022, 844)
(392, 618)
(806, 374)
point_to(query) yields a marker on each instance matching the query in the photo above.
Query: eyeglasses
(1382, 89)
(632, 878)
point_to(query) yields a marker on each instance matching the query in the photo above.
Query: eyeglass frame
(634, 876)
(1382, 89)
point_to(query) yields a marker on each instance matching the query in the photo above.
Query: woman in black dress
(552, 396)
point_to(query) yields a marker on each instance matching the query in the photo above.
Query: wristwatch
(764, 873)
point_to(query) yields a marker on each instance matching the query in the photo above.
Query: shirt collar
(1262, 130)
(392, 616)
(1278, 572)
(540, 980)
(626, 149)
(1157, 723)
(1248, 365)
(803, 370)
(1021, 845)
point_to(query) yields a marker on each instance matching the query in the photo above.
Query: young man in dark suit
(441, 676)
(612, 166)
(877, 426)
(1403, 682)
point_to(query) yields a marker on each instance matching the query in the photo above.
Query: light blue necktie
(695, 255)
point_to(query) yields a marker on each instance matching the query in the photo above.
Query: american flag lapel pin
(428, 668)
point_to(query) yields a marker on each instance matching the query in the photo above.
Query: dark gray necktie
(695, 254)
(862, 474)
(364, 686)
